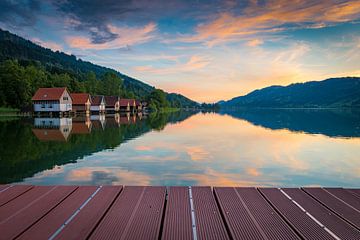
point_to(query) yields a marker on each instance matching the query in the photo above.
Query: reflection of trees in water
(329, 122)
(23, 154)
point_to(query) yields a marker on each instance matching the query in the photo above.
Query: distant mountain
(15, 47)
(333, 92)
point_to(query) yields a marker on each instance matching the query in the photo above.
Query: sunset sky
(206, 50)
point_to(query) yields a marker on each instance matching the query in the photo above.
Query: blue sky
(206, 50)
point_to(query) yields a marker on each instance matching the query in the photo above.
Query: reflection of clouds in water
(210, 177)
(197, 153)
(107, 176)
(219, 150)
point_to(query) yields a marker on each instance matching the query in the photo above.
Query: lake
(269, 147)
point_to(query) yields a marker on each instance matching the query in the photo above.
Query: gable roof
(50, 134)
(79, 98)
(111, 100)
(124, 102)
(48, 94)
(96, 100)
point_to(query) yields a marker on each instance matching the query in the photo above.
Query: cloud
(18, 14)
(126, 36)
(274, 16)
(48, 44)
(94, 17)
(254, 42)
(195, 62)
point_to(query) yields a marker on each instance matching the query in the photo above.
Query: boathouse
(112, 104)
(50, 100)
(97, 104)
(127, 105)
(138, 106)
(81, 102)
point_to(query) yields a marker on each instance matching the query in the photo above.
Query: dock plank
(84, 223)
(345, 211)
(330, 220)
(209, 224)
(177, 221)
(270, 221)
(125, 218)
(355, 192)
(240, 223)
(13, 192)
(19, 214)
(345, 196)
(50, 223)
(304, 225)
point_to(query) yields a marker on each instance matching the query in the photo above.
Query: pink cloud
(48, 44)
(195, 62)
(258, 19)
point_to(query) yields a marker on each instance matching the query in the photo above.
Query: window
(65, 98)
(43, 105)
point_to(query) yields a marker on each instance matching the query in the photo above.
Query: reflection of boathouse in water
(52, 129)
(60, 129)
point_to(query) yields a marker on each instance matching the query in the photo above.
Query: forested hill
(13, 47)
(333, 92)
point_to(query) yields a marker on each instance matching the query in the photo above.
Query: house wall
(65, 102)
(47, 106)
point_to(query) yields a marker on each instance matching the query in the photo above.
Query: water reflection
(269, 148)
(29, 146)
(330, 122)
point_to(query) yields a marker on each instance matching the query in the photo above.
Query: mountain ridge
(332, 92)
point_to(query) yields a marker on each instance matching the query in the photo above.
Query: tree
(112, 84)
(157, 99)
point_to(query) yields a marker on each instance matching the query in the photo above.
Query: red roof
(49, 134)
(111, 100)
(96, 100)
(79, 98)
(124, 102)
(44, 94)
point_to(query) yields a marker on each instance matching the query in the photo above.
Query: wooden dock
(133, 212)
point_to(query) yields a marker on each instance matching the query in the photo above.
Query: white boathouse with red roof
(52, 100)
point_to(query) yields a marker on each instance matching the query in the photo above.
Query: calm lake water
(242, 148)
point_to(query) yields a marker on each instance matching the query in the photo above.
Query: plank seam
(162, 221)
(193, 220)
(281, 216)
(251, 216)
(29, 204)
(330, 209)
(6, 188)
(311, 216)
(341, 200)
(17, 196)
(107, 210)
(47, 212)
(222, 214)
(74, 214)
(353, 193)
(133, 214)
